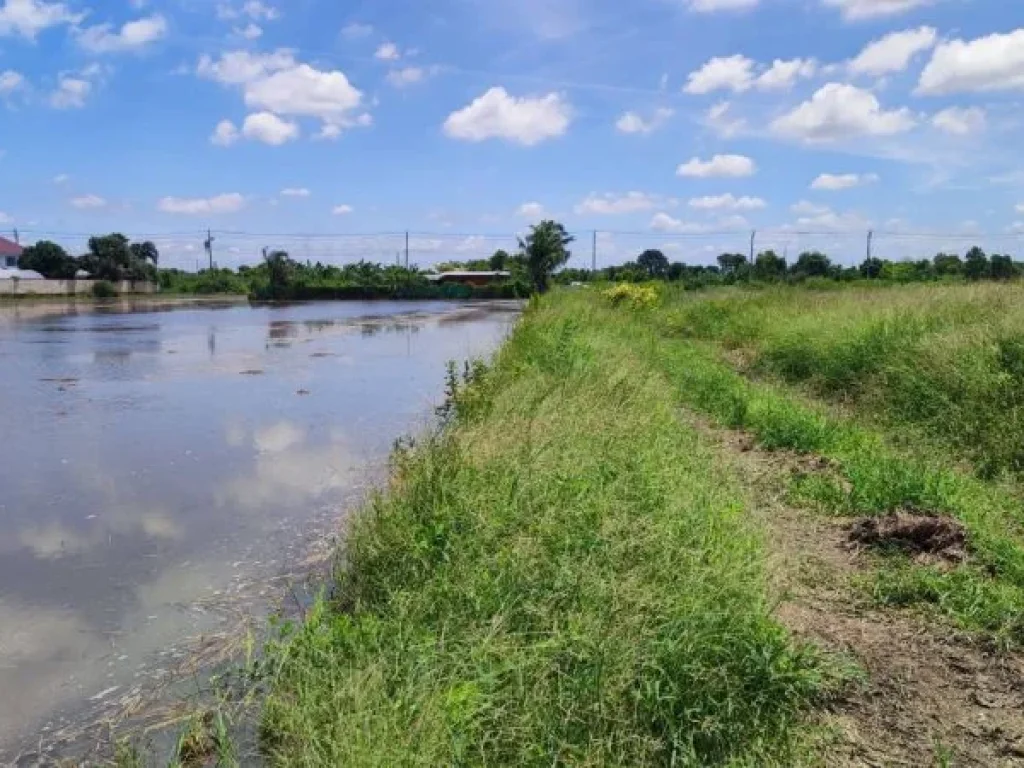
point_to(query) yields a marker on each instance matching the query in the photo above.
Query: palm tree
(544, 250)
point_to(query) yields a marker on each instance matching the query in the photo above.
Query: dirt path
(932, 695)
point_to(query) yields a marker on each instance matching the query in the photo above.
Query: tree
(871, 268)
(947, 264)
(653, 262)
(769, 265)
(812, 264)
(146, 252)
(49, 260)
(1002, 267)
(544, 250)
(280, 271)
(731, 262)
(976, 264)
(499, 260)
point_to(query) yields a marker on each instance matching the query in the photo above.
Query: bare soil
(931, 694)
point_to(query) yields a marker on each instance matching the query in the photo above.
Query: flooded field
(157, 460)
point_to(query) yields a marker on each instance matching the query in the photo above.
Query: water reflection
(149, 476)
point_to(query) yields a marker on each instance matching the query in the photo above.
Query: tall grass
(565, 575)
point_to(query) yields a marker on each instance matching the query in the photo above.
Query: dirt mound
(927, 536)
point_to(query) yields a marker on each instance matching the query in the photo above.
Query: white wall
(15, 287)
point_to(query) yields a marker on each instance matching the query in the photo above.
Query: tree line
(112, 258)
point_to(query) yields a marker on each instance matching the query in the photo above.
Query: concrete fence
(13, 286)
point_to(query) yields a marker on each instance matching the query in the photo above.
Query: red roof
(9, 247)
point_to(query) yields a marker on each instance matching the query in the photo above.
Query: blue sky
(685, 123)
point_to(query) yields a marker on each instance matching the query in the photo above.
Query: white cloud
(132, 36)
(295, 192)
(243, 67)
(960, 121)
(713, 6)
(72, 92)
(893, 52)
(731, 166)
(231, 202)
(727, 202)
(342, 210)
(250, 31)
(1020, 208)
(355, 30)
(406, 76)
(6, 218)
(225, 134)
(992, 63)
(609, 205)
(631, 122)
(858, 10)
(88, 202)
(783, 74)
(835, 182)
(30, 17)
(257, 10)
(718, 120)
(497, 115)
(387, 52)
(61, 178)
(722, 72)
(10, 81)
(839, 111)
(269, 128)
(304, 91)
(531, 210)
(806, 208)
(738, 74)
(662, 222)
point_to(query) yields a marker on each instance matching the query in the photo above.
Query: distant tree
(653, 262)
(871, 268)
(499, 261)
(812, 264)
(676, 270)
(49, 260)
(769, 265)
(280, 271)
(146, 252)
(545, 250)
(1002, 267)
(976, 264)
(731, 262)
(947, 264)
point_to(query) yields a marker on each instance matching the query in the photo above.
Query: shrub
(637, 296)
(104, 289)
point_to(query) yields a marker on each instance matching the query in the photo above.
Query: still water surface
(156, 458)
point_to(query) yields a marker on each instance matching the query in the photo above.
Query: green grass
(717, 351)
(564, 575)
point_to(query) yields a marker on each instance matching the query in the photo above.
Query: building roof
(21, 274)
(9, 247)
(458, 274)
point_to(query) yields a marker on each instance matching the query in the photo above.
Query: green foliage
(976, 265)
(732, 263)
(947, 265)
(545, 249)
(499, 261)
(769, 266)
(104, 289)
(812, 264)
(114, 258)
(871, 269)
(654, 262)
(49, 260)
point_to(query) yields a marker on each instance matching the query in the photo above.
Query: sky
(331, 129)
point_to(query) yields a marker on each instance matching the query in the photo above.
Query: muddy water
(152, 459)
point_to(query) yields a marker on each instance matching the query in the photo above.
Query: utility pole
(208, 245)
(17, 238)
(593, 257)
(871, 236)
(753, 235)
(407, 249)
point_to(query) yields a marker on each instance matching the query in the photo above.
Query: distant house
(470, 278)
(10, 252)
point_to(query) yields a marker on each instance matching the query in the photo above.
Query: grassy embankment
(916, 394)
(566, 574)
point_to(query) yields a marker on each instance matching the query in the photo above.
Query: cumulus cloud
(807, 208)
(342, 210)
(132, 36)
(727, 202)
(610, 205)
(250, 31)
(405, 76)
(88, 202)
(269, 128)
(28, 18)
(355, 30)
(960, 121)
(225, 134)
(714, 6)
(838, 111)
(663, 222)
(739, 73)
(859, 10)
(10, 81)
(231, 202)
(532, 210)
(719, 119)
(631, 122)
(835, 182)
(387, 52)
(729, 166)
(893, 52)
(498, 115)
(71, 93)
(295, 192)
(992, 63)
